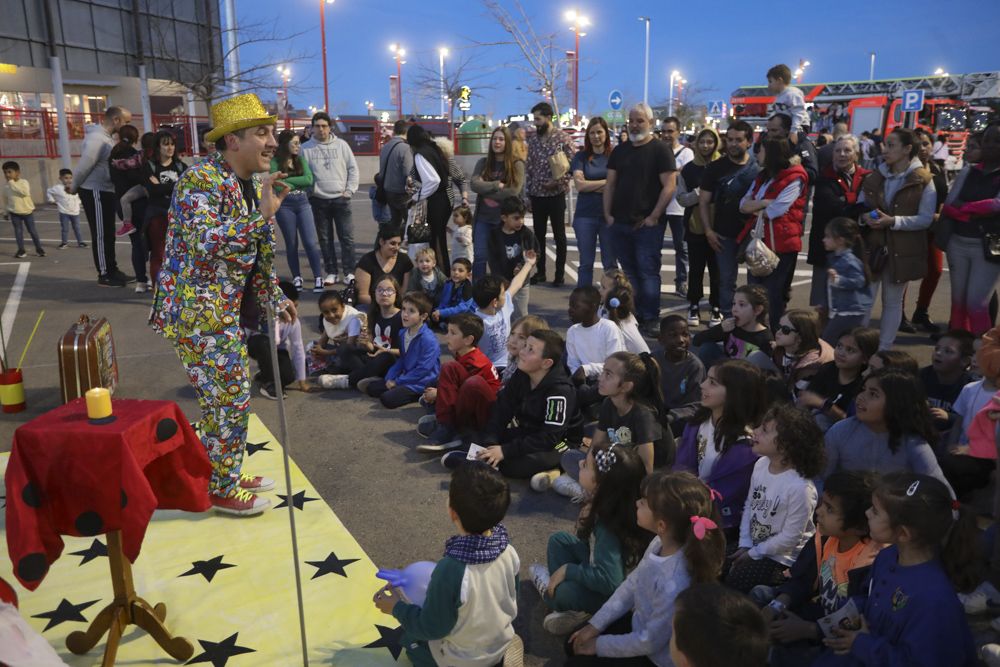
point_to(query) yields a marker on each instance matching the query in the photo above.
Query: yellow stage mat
(228, 584)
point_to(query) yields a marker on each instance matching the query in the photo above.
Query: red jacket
(787, 227)
(478, 363)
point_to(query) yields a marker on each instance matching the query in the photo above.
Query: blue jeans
(20, 222)
(676, 223)
(481, 247)
(639, 250)
(295, 218)
(728, 272)
(65, 222)
(775, 286)
(588, 232)
(328, 213)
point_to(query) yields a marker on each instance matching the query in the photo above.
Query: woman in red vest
(777, 197)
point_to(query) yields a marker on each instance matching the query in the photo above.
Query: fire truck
(954, 105)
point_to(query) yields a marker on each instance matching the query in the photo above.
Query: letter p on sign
(913, 100)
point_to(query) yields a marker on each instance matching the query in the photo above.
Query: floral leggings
(217, 365)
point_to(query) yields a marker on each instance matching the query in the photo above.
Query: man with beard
(220, 248)
(723, 184)
(642, 178)
(548, 193)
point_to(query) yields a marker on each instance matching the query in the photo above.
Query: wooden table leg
(126, 608)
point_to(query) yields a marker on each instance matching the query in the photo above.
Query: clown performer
(220, 243)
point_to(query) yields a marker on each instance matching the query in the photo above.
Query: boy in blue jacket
(467, 617)
(419, 362)
(456, 296)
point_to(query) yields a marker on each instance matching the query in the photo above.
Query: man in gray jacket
(335, 180)
(92, 180)
(395, 162)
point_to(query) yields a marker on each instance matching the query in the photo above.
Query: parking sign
(913, 100)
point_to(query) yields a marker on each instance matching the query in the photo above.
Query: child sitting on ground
(427, 278)
(519, 333)
(589, 342)
(688, 548)
(460, 229)
(798, 352)
(830, 393)
(534, 416)
(456, 294)
(468, 613)
(419, 362)
(947, 374)
(740, 335)
(291, 352)
(619, 307)
(717, 627)
(583, 570)
(894, 359)
(466, 389)
(778, 515)
(342, 324)
(827, 573)
(681, 372)
(508, 243)
(495, 303)
(910, 614)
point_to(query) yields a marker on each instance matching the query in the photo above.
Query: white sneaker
(974, 602)
(990, 653)
(991, 593)
(542, 481)
(348, 277)
(539, 577)
(716, 318)
(141, 287)
(331, 279)
(333, 381)
(297, 281)
(318, 287)
(565, 485)
(562, 623)
(694, 316)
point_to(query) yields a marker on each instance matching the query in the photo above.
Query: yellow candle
(98, 403)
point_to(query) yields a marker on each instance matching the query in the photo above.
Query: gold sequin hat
(237, 113)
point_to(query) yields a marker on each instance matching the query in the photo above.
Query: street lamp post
(285, 72)
(871, 68)
(803, 64)
(674, 76)
(322, 34)
(398, 53)
(442, 52)
(578, 21)
(645, 71)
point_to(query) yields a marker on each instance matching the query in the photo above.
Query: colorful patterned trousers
(217, 365)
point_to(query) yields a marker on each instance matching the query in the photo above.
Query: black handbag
(991, 240)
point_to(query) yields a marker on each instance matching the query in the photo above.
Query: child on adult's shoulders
(466, 388)
(456, 294)
(468, 613)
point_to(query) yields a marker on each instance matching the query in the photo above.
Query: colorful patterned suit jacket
(213, 244)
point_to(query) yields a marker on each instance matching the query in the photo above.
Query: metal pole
(57, 90)
(576, 74)
(670, 98)
(871, 69)
(322, 32)
(645, 77)
(399, 86)
(193, 122)
(232, 46)
(284, 85)
(286, 456)
(441, 62)
(147, 113)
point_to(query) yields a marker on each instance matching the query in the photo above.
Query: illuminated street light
(577, 21)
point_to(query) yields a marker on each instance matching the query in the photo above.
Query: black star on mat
(219, 653)
(389, 640)
(299, 499)
(207, 568)
(332, 564)
(95, 550)
(254, 447)
(66, 611)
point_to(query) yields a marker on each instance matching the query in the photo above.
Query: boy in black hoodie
(535, 415)
(507, 244)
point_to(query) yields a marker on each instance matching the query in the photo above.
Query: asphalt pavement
(359, 456)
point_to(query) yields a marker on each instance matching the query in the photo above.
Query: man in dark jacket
(535, 415)
(395, 161)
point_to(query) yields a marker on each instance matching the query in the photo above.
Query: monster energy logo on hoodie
(555, 410)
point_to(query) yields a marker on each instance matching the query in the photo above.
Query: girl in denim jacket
(849, 284)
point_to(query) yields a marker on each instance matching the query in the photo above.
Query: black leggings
(700, 255)
(544, 209)
(259, 349)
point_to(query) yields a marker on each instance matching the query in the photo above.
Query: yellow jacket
(18, 196)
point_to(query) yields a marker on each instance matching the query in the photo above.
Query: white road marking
(14, 299)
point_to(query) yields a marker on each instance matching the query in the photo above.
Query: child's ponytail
(643, 372)
(924, 505)
(620, 303)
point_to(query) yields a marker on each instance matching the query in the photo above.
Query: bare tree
(541, 59)
(690, 107)
(462, 71)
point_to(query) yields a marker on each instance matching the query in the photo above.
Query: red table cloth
(67, 476)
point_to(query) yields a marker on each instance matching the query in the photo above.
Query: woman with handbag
(836, 195)
(431, 180)
(496, 177)
(776, 200)
(969, 230)
(901, 192)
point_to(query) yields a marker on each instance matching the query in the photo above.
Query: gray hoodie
(335, 171)
(928, 198)
(92, 171)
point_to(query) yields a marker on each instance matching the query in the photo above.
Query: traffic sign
(913, 100)
(717, 108)
(615, 99)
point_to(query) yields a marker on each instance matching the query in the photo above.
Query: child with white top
(688, 548)
(460, 230)
(788, 99)
(495, 305)
(342, 323)
(778, 514)
(291, 352)
(618, 305)
(69, 208)
(589, 342)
